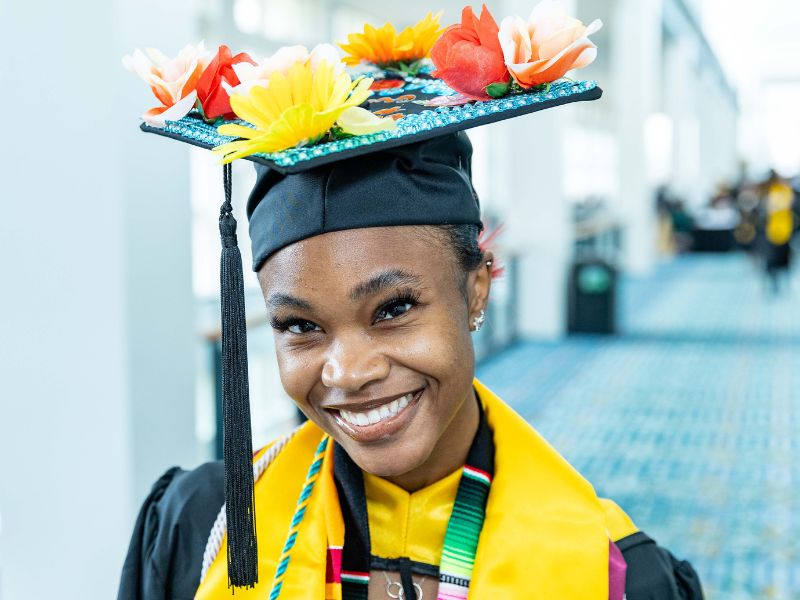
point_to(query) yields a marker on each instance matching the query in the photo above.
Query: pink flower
(258, 74)
(547, 46)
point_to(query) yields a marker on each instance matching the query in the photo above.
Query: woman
(411, 479)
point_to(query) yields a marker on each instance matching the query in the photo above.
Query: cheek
(440, 346)
(297, 370)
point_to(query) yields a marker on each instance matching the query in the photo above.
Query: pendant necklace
(394, 589)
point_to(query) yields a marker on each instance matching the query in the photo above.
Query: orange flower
(468, 56)
(547, 46)
(385, 48)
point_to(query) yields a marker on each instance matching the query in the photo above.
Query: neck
(450, 453)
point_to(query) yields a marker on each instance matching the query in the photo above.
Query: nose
(353, 361)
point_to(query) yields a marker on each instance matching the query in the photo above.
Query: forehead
(340, 258)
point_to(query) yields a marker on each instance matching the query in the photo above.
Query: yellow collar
(410, 525)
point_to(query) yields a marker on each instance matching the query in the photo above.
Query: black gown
(166, 550)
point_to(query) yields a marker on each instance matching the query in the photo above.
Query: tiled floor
(690, 419)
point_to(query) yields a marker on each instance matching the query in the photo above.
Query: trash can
(592, 297)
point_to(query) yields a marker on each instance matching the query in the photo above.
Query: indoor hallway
(688, 419)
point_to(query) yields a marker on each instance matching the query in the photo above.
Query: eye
(296, 326)
(302, 327)
(395, 308)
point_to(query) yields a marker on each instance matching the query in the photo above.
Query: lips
(376, 422)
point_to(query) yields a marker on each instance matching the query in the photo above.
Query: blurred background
(647, 322)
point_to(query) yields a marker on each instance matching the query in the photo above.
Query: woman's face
(372, 330)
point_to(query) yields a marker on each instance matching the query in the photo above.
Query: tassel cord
(237, 442)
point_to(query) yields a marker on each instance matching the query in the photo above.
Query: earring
(478, 321)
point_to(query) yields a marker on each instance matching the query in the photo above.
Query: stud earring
(478, 321)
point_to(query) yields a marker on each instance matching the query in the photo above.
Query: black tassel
(237, 442)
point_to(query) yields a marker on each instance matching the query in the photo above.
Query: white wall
(96, 303)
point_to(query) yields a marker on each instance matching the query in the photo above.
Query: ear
(479, 284)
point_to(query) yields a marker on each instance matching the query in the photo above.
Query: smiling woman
(410, 479)
(378, 353)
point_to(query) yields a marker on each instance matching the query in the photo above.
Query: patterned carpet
(689, 419)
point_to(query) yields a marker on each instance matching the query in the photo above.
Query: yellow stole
(545, 536)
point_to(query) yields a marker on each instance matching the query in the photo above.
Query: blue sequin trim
(412, 124)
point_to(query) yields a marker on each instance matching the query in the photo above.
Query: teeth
(405, 400)
(376, 415)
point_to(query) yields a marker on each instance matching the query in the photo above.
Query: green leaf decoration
(337, 133)
(410, 69)
(498, 90)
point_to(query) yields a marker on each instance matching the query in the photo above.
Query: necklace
(394, 589)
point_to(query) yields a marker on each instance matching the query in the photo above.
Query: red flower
(468, 57)
(212, 95)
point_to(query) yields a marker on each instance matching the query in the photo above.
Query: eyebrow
(278, 300)
(382, 281)
(374, 285)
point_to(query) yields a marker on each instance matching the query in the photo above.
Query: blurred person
(778, 219)
(411, 479)
(747, 202)
(666, 232)
(682, 225)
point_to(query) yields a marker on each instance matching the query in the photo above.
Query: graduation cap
(335, 150)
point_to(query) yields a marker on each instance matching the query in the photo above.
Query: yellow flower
(294, 109)
(384, 47)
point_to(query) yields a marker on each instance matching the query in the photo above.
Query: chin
(393, 460)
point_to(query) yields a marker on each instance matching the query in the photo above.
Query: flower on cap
(259, 73)
(359, 121)
(213, 97)
(468, 56)
(173, 80)
(294, 109)
(388, 49)
(547, 46)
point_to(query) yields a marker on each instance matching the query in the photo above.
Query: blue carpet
(689, 419)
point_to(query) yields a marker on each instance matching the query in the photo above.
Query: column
(98, 342)
(636, 76)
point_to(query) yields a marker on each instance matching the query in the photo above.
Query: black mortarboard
(416, 173)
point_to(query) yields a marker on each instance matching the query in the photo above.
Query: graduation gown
(166, 553)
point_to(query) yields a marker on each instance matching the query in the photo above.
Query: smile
(376, 415)
(378, 422)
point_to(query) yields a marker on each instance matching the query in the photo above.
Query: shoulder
(166, 550)
(654, 573)
(191, 496)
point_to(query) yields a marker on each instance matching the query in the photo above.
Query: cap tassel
(237, 441)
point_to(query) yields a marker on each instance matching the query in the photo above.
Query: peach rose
(173, 80)
(547, 46)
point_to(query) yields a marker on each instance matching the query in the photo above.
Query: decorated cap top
(299, 109)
